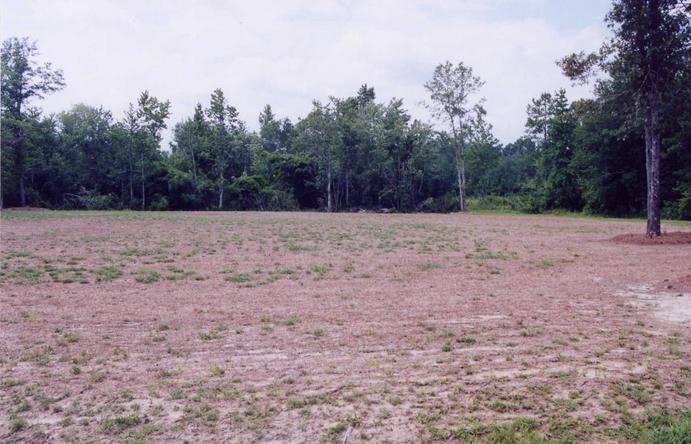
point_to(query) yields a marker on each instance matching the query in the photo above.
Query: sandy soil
(306, 327)
(673, 238)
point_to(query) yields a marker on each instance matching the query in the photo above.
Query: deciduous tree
(23, 79)
(649, 49)
(451, 90)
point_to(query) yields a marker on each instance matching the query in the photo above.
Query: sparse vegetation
(308, 279)
(119, 423)
(147, 277)
(439, 343)
(107, 273)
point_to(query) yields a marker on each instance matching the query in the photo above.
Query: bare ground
(306, 327)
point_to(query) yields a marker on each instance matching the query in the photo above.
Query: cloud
(287, 53)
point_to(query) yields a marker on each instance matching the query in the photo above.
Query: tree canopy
(356, 152)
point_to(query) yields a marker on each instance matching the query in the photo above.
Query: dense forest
(349, 153)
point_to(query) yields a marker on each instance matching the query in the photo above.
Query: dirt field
(307, 327)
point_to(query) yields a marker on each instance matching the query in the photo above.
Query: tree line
(356, 152)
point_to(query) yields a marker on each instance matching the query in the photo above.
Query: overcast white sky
(287, 53)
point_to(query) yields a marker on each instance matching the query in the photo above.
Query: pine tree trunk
(652, 163)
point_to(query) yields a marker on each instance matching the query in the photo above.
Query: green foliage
(520, 430)
(554, 183)
(17, 424)
(107, 273)
(656, 428)
(450, 89)
(147, 277)
(252, 192)
(347, 154)
(26, 275)
(119, 423)
(443, 204)
(507, 203)
(293, 174)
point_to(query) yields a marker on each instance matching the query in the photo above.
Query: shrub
(159, 203)
(443, 204)
(89, 200)
(510, 202)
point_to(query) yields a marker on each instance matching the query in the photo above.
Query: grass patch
(467, 340)
(239, 278)
(26, 275)
(427, 266)
(107, 273)
(632, 390)
(320, 270)
(147, 277)
(655, 428)
(119, 423)
(71, 337)
(291, 321)
(215, 333)
(216, 371)
(519, 430)
(17, 424)
(204, 413)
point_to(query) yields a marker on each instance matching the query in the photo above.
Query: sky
(288, 53)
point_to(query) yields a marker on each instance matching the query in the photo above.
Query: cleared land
(315, 327)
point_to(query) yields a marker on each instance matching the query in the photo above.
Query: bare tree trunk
(22, 191)
(131, 174)
(460, 176)
(346, 192)
(328, 189)
(19, 164)
(221, 186)
(143, 186)
(194, 165)
(337, 194)
(245, 161)
(652, 162)
(462, 186)
(418, 194)
(460, 165)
